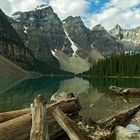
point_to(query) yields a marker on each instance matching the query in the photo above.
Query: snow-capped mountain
(50, 38)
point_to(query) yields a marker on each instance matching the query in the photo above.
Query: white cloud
(11, 6)
(122, 12)
(24, 5)
(5, 5)
(125, 3)
(65, 8)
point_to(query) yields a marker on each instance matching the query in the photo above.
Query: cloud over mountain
(109, 13)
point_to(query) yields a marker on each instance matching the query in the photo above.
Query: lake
(96, 100)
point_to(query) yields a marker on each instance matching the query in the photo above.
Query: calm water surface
(96, 100)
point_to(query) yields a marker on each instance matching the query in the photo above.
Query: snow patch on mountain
(25, 29)
(40, 7)
(54, 53)
(73, 46)
(31, 18)
(15, 16)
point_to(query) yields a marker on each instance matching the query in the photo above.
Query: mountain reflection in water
(96, 100)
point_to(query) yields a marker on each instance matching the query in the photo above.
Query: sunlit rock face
(130, 38)
(42, 28)
(79, 34)
(104, 42)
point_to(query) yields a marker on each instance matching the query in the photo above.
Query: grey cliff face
(39, 29)
(79, 34)
(104, 42)
(42, 28)
(130, 38)
(12, 46)
(47, 36)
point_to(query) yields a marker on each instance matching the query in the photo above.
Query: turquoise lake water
(96, 100)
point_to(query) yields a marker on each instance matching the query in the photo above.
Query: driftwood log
(125, 91)
(5, 116)
(104, 129)
(60, 115)
(121, 119)
(19, 127)
(69, 126)
(39, 130)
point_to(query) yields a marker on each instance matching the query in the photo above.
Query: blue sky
(97, 5)
(93, 12)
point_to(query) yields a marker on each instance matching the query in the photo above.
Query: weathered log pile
(125, 91)
(48, 121)
(16, 125)
(105, 129)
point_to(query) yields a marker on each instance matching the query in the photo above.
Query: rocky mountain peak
(42, 31)
(76, 21)
(98, 27)
(78, 33)
(128, 37)
(39, 13)
(104, 42)
(117, 32)
(118, 27)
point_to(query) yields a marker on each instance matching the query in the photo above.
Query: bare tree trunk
(5, 116)
(125, 91)
(120, 119)
(68, 125)
(39, 130)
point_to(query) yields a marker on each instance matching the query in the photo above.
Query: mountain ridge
(44, 33)
(12, 47)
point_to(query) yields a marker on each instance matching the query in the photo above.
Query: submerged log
(5, 116)
(121, 119)
(39, 130)
(68, 125)
(125, 91)
(19, 128)
(67, 97)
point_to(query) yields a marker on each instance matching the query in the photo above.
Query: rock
(62, 96)
(122, 133)
(79, 34)
(104, 41)
(133, 127)
(128, 37)
(44, 30)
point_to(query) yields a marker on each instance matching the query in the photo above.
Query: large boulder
(122, 133)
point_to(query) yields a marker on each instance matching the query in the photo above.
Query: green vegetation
(117, 65)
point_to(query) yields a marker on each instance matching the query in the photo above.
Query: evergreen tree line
(117, 65)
